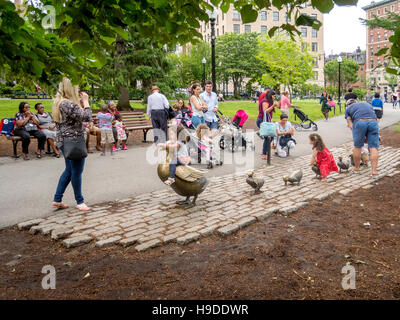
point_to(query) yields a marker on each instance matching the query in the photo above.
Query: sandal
(38, 155)
(60, 205)
(56, 155)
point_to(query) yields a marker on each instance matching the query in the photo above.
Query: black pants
(26, 138)
(115, 134)
(159, 121)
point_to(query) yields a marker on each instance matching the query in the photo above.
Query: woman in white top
(283, 128)
(198, 106)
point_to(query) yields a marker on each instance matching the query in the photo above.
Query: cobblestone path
(227, 205)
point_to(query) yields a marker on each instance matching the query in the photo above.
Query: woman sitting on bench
(47, 126)
(27, 125)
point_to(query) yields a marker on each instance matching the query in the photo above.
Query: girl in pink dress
(322, 157)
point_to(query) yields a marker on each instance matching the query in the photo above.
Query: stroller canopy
(240, 116)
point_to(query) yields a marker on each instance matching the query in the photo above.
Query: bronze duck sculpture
(294, 177)
(343, 165)
(189, 182)
(364, 159)
(255, 183)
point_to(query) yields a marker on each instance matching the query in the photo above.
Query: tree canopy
(91, 27)
(348, 72)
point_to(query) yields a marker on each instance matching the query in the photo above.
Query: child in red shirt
(322, 157)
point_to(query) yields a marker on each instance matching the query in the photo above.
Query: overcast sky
(343, 30)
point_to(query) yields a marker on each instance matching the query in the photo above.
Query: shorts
(379, 113)
(107, 136)
(369, 129)
(213, 125)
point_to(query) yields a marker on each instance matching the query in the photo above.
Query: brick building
(377, 39)
(232, 22)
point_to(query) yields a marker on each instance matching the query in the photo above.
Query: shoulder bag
(75, 148)
(267, 129)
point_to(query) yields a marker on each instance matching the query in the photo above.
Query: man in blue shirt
(361, 119)
(211, 99)
(377, 105)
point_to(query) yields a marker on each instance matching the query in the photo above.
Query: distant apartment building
(377, 39)
(358, 56)
(232, 22)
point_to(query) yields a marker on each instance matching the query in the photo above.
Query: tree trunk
(123, 100)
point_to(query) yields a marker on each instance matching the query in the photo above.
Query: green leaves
(248, 14)
(323, 5)
(346, 2)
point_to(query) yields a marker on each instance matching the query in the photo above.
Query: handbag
(170, 113)
(267, 129)
(75, 148)
(31, 127)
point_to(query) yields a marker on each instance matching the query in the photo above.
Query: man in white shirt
(211, 99)
(157, 110)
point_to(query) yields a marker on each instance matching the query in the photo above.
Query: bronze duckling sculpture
(364, 159)
(255, 183)
(294, 177)
(343, 165)
(189, 182)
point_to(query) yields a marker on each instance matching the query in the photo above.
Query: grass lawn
(8, 108)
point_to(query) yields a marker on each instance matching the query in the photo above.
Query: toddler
(178, 154)
(105, 124)
(204, 134)
(119, 125)
(322, 157)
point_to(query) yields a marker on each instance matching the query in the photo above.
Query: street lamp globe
(204, 61)
(339, 59)
(212, 14)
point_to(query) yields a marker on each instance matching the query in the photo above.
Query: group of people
(202, 109)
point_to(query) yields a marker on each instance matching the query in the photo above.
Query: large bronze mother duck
(189, 182)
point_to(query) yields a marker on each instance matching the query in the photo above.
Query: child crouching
(322, 157)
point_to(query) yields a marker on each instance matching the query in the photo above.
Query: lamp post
(204, 72)
(213, 16)
(339, 60)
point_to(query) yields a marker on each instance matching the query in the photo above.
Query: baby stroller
(306, 123)
(231, 132)
(202, 148)
(184, 121)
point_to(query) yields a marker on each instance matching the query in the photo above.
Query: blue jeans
(172, 167)
(196, 121)
(213, 125)
(267, 140)
(366, 129)
(72, 173)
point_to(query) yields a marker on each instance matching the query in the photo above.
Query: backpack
(7, 126)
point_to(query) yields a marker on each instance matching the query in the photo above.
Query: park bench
(16, 139)
(135, 120)
(26, 94)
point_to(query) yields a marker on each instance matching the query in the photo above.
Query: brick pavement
(150, 220)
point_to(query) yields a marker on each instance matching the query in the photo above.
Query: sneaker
(124, 147)
(83, 207)
(169, 181)
(114, 149)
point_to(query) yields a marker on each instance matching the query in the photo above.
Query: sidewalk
(28, 187)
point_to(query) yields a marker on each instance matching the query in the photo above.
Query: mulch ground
(295, 257)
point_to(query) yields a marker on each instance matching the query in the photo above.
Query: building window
(223, 16)
(362, 68)
(316, 63)
(303, 5)
(223, 30)
(314, 46)
(392, 8)
(379, 37)
(386, 10)
(372, 51)
(372, 64)
(276, 15)
(263, 15)
(379, 12)
(314, 33)
(247, 28)
(304, 46)
(236, 28)
(236, 15)
(263, 29)
(372, 38)
(315, 75)
(287, 18)
(314, 15)
(304, 32)
(385, 36)
(217, 32)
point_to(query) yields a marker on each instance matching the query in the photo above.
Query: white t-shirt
(196, 112)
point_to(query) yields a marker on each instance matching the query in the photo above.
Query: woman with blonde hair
(69, 113)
